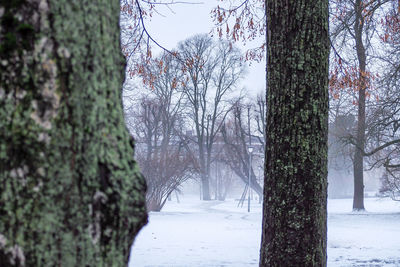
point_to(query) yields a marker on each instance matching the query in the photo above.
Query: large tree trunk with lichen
(294, 214)
(71, 193)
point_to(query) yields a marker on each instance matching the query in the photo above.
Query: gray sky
(185, 20)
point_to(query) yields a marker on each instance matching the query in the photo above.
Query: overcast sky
(185, 20)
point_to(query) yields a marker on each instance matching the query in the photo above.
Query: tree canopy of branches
(235, 132)
(212, 71)
(357, 28)
(157, 124)
(384, 148)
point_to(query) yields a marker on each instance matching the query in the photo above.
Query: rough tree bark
(294, 214)
(71, 193)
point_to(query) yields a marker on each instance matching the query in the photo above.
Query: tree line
(190, 116)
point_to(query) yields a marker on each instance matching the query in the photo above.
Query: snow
(370, 238)
(218, 233)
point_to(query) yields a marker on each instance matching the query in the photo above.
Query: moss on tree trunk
(71, 193)
(295, 189)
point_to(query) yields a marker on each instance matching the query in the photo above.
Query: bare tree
(355, 23)
(389, 141)
(236, 154)
(157, 124)
(383, 148)
(212, 71)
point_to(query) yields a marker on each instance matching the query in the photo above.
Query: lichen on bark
(294, 213)
(71, 193)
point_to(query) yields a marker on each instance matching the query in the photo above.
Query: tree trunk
(358, 197)
(205, 186)
(204, 171)
(295, 191)
(71, 193)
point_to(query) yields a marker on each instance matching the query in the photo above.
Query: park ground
(218, 233)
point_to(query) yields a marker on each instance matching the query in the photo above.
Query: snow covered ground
(215, 233)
